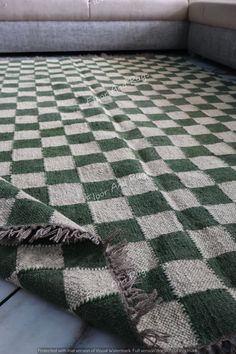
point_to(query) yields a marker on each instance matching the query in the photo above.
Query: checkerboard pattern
(155, 160)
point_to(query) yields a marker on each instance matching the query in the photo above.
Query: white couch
(105, 25)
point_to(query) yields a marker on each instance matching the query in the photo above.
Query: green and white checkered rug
(140, 144)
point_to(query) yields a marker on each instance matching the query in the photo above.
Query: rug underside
(117, 194)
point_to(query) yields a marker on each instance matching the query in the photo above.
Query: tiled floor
(28, 323)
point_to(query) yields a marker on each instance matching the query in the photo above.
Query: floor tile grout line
(9, 296)
(84, 329)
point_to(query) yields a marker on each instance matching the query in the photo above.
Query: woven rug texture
(98, 150)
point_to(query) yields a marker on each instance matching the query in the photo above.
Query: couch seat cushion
(217, 13)
(170, 10)
(44, 10)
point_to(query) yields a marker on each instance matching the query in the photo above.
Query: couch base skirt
(218, 44)
(53, 36)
